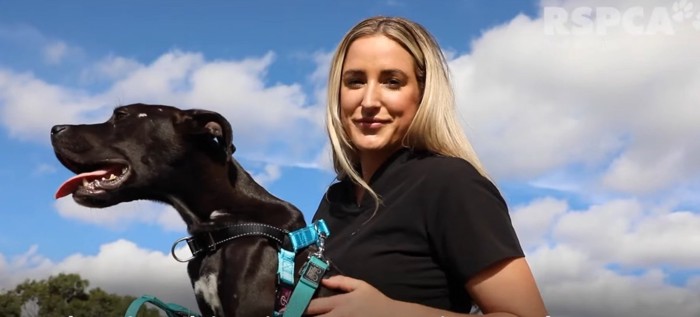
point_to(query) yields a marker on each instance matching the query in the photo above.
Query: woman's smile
(370, 123)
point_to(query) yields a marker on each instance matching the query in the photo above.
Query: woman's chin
(377, 148)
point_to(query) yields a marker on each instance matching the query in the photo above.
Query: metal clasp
(172, 250)
(320, 244)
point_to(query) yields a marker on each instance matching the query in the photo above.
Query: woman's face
(379, 94)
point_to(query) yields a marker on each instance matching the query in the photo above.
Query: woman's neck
(371, 161)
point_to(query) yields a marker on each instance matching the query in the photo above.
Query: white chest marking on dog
(141, 115)
(206, 288)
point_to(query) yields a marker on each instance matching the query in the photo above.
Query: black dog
(183, 158)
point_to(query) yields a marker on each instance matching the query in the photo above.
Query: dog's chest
(206, 287)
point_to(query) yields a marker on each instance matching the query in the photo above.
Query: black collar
(209, 241)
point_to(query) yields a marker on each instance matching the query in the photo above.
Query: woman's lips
(370, 123)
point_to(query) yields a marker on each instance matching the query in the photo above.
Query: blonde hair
(435, 126)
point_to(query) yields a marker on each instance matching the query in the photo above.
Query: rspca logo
(638, 20)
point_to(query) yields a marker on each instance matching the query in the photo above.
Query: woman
(417, 228)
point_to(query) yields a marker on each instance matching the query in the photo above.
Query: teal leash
(310, 278)
(311, 274)
(171, 310)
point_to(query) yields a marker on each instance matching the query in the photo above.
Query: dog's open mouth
(99, 180)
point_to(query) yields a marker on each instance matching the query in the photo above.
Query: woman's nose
(371, 97)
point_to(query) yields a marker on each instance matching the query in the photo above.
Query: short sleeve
(468, 224)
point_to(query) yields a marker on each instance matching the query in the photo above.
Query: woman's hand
(360, 299)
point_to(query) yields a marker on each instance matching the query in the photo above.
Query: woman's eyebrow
(352, 72)
(394, 72)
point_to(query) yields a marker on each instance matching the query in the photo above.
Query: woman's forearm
(417, 310)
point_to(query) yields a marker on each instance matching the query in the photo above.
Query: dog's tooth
(85, 182)
(112, 177)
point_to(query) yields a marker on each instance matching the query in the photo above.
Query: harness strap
(314, 233)
(299, 239)
(308, 235)
(171, 310)
(311, 274)
(208, 241)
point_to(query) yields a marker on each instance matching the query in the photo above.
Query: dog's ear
(210, 124)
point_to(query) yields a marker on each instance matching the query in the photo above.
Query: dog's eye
(119, 114)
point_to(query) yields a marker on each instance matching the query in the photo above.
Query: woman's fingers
(341, 282)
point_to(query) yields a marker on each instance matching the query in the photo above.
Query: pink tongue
(71, 185)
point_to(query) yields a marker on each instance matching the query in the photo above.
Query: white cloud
(319, 76)
(269, 174)
(271, 122)
(598, 117)
(30, 42)
(55, 52)
(624, 232)
(166, 80)
(111, 68)
(574, 285)
(571, 252)
(619, 105)
(533, 222)
(646, 172)
(324, 160)
(123, 215)
(29, 106)
(119, 267)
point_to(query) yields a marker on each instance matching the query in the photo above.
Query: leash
(293, 303)
(311, 274)
(170, 309)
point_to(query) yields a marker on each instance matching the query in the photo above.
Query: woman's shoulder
(451, 174)
(441, 165)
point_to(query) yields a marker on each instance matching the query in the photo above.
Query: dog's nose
(57, 129)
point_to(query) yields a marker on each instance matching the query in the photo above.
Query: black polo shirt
(440, 223)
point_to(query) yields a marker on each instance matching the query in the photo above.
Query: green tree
(65, 295)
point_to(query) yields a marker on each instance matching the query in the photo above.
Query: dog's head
(141, 152)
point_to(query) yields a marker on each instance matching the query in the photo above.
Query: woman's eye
(353, 82)
(394, 83)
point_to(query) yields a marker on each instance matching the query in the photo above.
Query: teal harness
(311, 273)
(290, 300)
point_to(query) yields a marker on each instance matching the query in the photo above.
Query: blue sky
(585, 119)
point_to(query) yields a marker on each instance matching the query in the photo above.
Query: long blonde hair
(435, 126)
